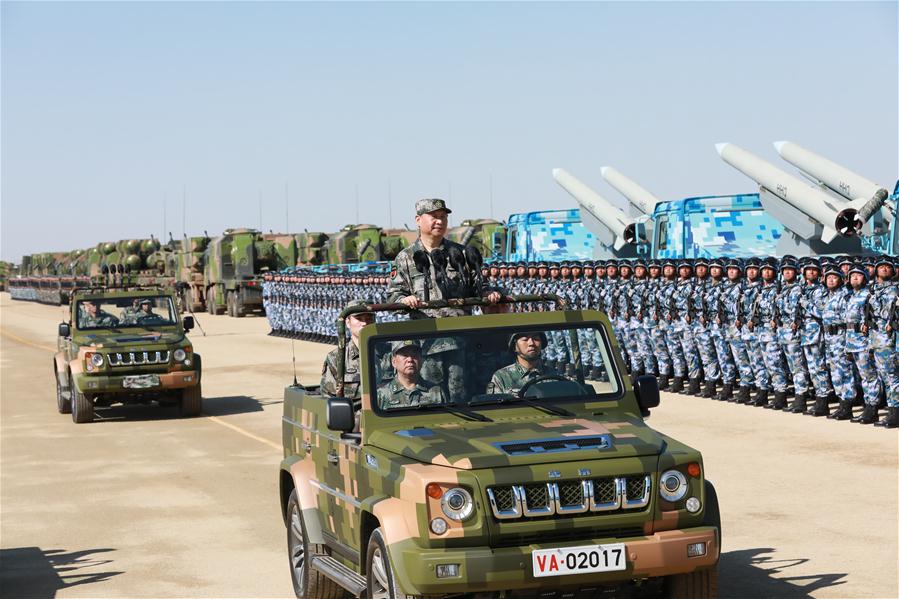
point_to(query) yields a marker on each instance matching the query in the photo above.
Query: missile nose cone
(557, 172)
(779, 144)
(603, 170)
(721, 147)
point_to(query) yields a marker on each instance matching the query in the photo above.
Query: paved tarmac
(143, 504)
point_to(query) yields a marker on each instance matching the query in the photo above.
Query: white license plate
(142, 381)
(579, 560)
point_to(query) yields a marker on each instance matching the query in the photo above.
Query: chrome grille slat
(139, 357)
(563, 498)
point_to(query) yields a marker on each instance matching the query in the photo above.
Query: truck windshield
(122, 312)
(492, 366)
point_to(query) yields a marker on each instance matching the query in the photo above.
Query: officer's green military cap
(399, 345)
(430, 205)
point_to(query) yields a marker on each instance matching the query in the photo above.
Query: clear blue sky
(109, 108)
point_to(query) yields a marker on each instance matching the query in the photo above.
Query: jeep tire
(379, 569)
(307, 583)
(63, 403)
(82, 405)
(702, 584)
(191, 403)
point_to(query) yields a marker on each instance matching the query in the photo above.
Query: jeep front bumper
(100, 383)
(482, 569)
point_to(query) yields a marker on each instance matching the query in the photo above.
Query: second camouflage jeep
(557, 488)
(125, 346)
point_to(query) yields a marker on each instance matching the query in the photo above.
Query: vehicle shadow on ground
(36, 572)
(758, 573)
(235, 404)
(212, 406)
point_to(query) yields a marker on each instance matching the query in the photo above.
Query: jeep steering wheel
(540, 379)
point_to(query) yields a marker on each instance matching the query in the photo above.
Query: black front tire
(63, 403)
(379, 569)
(702, 584)
(191, 403)
(307, 583)
(82, 405)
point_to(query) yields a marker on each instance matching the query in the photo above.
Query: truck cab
(466, 466)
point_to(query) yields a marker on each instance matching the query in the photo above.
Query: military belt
(834, 329)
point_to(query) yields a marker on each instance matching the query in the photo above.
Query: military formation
(795, 334)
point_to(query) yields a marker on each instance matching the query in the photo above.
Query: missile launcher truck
(552, 487)
(125, 345)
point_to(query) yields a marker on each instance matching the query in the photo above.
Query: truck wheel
(63, 403)
(712, 515)
(381, 580)
(702, 584)
(229, 304)
(307, 583)
(239, 310)
(82, 405)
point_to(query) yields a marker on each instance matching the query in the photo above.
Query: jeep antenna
(294, 352)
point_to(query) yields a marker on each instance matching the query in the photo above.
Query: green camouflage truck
(549, 486)
(125, 346)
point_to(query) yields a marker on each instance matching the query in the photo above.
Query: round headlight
(179, 355)
(438, 526)
(694, 505)
(97, 360)
(457, 504)
(672, 485)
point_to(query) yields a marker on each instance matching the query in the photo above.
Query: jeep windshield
(125, 312)
(530, 365)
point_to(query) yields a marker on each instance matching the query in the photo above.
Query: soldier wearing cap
(407, 387)
(702, 334)
(408, 286)
(92, 316)
(352, 373)
(528, 364)
(762, 322)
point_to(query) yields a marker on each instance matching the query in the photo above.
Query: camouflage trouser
(886, 361)
(676, 351)
(447, 367)
(725, 359)
(741, 357)
(643, 345)
(796, 364)
(774, 362)
(557, 349)
(691, 353)
(867, 373)
(817, 369)
(622, 332)
(756, 354)
(702, 336)
(842, 376)
(659, 347)
(587, 341)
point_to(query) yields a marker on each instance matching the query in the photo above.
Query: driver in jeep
(528, 365)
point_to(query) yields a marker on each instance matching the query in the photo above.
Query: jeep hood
(130, 338)
(518, 442)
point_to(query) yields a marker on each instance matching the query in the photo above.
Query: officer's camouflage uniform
(683, 327)
(833, 321)
(731, 308)
(857, 348)
(352, 379)
(101, 320)
(754, 349)
(763, 318)
(511, 378)
(788, 317)
(883, 302)
(702, 333)
(810, 306)
(393, 395)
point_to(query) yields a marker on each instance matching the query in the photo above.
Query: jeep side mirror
(646, 388)
(188, 322)
(64, 329)
(340, 414)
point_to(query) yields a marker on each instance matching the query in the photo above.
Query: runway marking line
(214, 419)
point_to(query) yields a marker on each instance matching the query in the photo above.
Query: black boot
(844, 412)
(710, 387)
(821, 408)
(780, 401)
(761, 398)
(727, 392)
(694, 387)
(663, 382)
(569, 370)
(743, 395)
(594, 374)
(800, 403)
(891, 420)
(868, 415)
(678, 385)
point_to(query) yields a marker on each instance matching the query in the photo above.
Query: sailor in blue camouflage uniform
(833, 323)
(882, 335)
(856, 321)
(730, 298)
(578, 298)
(715, 316)
(610, 291)
(653, 324)
(788, 319)
(622, 316)
(810, 308)
(638, 313)
(684, 292)
(702, 333)
(666, 300)
(763, 324)
(751, 288)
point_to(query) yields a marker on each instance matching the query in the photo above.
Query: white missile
(798, 199)
(835, 177)
(635, 193)
(611, 225)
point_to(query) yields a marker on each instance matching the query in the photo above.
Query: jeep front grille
(138, 358)
(535, 500)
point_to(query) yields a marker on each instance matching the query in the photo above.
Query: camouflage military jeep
(125, 346)
(544, 486)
